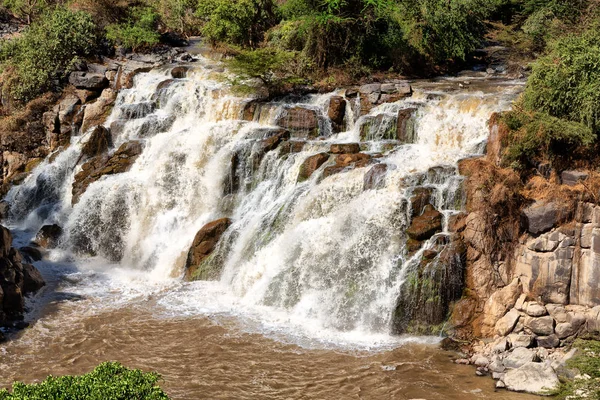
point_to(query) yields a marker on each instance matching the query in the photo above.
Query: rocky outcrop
(88, 80)
(17, 280)
(346, 162)
(300, 121)
(311, 164)
(96, 113)
(198, 265)
(337, 113)
(99, 166)
(48, 236)
(374, 94)
(426, 225)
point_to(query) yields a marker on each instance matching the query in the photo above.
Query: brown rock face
(337, 112)
(375, 177)
(345, 148)
(419, 200)
(96, 113)
(102, 165)
(48, 236)
(204, 244)
(311, 164)
(344, 162)
(302, 122)
(179, 72)
(98, 143)
(426, 225)
(17, 279)
(406, 126)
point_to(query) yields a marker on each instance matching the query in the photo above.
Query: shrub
(25, 9)
(566, 82)
(537, 137)
(587, 362)
(46, 52)
(109, 380)
(138, 32)
(178, 15)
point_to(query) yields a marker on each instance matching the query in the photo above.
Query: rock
(48, 236)
(121, 161)
(521, 304)
(505, 325)
(564, 330)
(426, 225)
(311, 164)
(204, 244)
(532, 377)
(541, 326)
(88, 81)
(572, 178)
(128, 71)
(179, 72)
(501, 345)
(137, 110)
(97, 112)
(301, 121)
(535, 309)
(345, 148)
(520, 340)
(98, 143)
(500, 302)
(541, 217)
(406, 126)
(337, 112)
(370, 88)
(32, 279)
(4, 209)
(481, 361)
(519, 357)
(547, 342)
(291, 146)
(420, 198)
(375, 177)
(31, 254)
(500, 384)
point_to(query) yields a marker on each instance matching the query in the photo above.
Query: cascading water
(326, 255)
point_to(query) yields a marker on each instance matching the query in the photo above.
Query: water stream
(311, 270)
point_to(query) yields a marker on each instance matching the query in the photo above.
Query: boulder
(337, 112)
(88, 80)
(32, 279)
(541, 216)
(541, 326)
(311, 164)
(406, 125)
(505, 325)
(564, 330)
(426, 225)
(98, 143)
(96, 113)
(532, 377)
(419, 199)
(520, 340)
(375, 177)
(204, 244)
(547, 342)
(291, 146)
(301, 121)
(128, 71)
(344, 148)
(137, 110)
(31, 253)
(121, 161)
(500, 302)
(48, 236)
(572, 178)
(535, 309)
(519, 357)
(179, 72)
(4, 209)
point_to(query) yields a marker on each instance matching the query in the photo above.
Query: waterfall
(329, 250)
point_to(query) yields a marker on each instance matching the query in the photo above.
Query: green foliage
(566, 82)
(25, 9)
(46, 52)
(239, 22)
(538, 137)
(177, 15)
(109, 380)
(138, 32)
(587, 362)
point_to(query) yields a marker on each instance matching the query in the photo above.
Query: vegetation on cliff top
(109, 380)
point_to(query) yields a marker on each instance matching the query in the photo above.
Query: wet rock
(345, 148)
(547, 342)
(128, 71)
(519, 357)
(337, 112)
(97, 112)
(375, 177)
(88, 81)
(48, 236)
(32, 279)
(572, 178)
(274, 140)
(4, 209)
(505, 325)
(378, 127)
(541, 216)
(406, 126)
(98, 143)
(311, 164)
(31, 254)
(541, 326)
(121, 161)
(137, 110)
(419, 200)
(426, 225)
(204, 244)
(302, 122)
(537, 378)
(179, 72)
(291, 146)
(358, 160)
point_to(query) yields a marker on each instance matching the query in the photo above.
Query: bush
(178, 15)
(25, 9)
(587, 362)
(138, 32)
(566, 82)
(537, 137)
(108, 381)
(46, 52)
